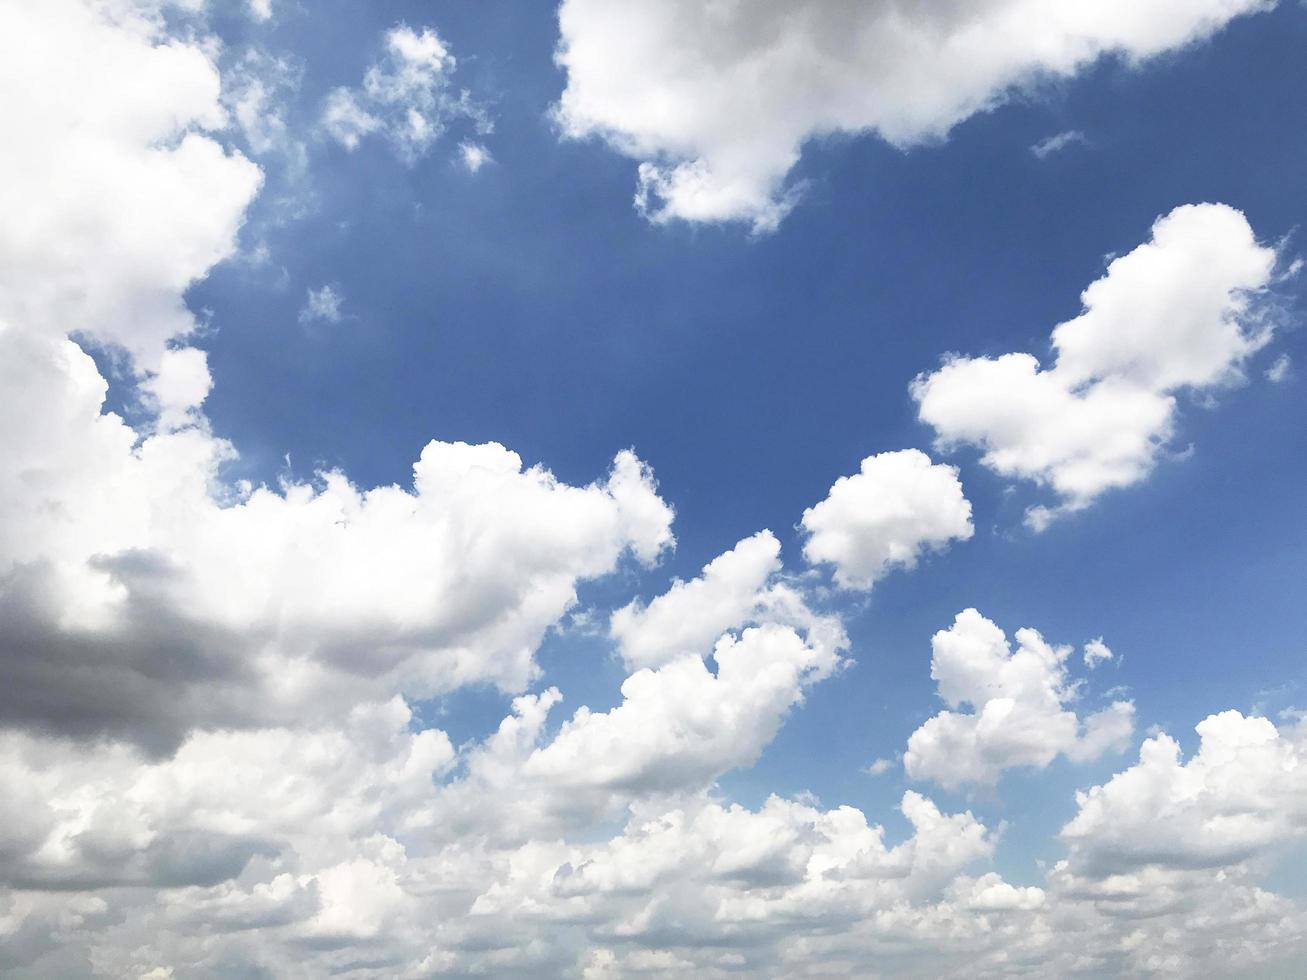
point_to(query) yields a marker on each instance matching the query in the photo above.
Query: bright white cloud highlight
(1180, 313)
(407, 97)
(690, 616)
(1242, 795)
(115, 196)
(1021, 700)
(899, 506)
(717, 99)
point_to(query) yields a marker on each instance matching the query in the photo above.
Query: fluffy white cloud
(407, 97)
(142, 594)
(1243, 794)
(899, 506)
(679, 725)
(718, 99)
(261, 798)
(1182, 312)
(1096, 652)
(691, 615)
(114, 197)
(1021, 708)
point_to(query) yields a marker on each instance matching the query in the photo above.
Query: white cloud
(261, 799)
(143, 594)
(1058, 142)
(1281, 369)
(1021, 708)
(691, 615)
(880, 767)
(322, 304)
(255, 90)
(1241, 796)
(1182, 312)
(1096, 652)
(474, 156)
(407, 97)
(717, 100)
(259, 10)
(897, 507)
(115, 198)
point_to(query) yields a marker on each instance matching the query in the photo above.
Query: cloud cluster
(1021, 708)
(407, 97)
(717, 100)
(1180, 313)
(213, 762)
(142, 593)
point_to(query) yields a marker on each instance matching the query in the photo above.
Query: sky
(652, 490)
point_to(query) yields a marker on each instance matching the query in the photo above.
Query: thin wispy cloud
(322, 305)
(1059, 142)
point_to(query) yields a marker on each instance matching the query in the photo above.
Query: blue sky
(529, 304)
(750, 363)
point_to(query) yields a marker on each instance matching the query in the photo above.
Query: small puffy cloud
(322, 305)
(259, 10)
(1058, 142)
(407, 97)
(473, 156)
(1182, 312)
(179, 387)
(1281, 369)
(899, 506)
(1096, 652)
(1021, 704)
(717, 100)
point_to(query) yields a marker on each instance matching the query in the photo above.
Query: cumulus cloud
(407, 97)
(1096, 652)
(116, 197)
(691, 615)
(1180, 313)
(718, 100)
(1021, 702)
(1242, 795)
(261, 795)
(897, 507)
(142, 593)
